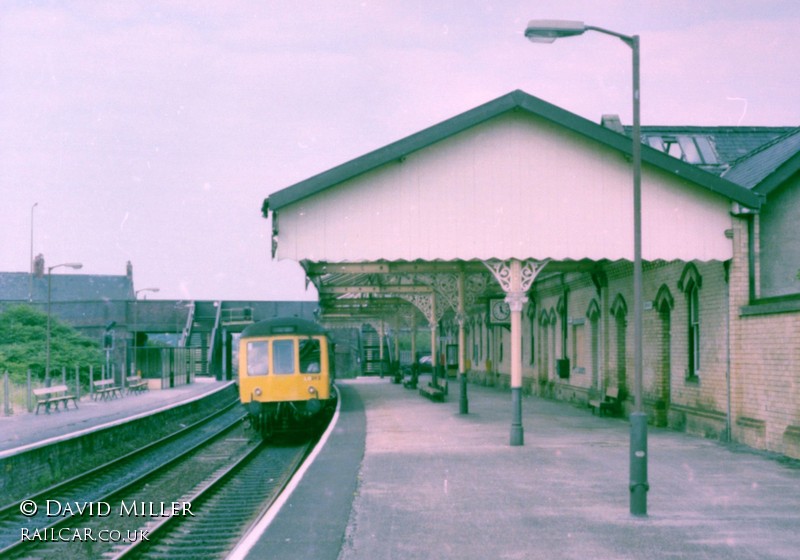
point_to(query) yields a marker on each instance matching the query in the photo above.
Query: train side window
(331, 360)
(283, 356)
(258, 358)
(309, 355)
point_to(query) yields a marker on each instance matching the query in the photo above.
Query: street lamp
(50, 269)
(136, 321)
(30, 280)
(547, 31)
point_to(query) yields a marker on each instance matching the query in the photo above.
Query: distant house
(64, 287)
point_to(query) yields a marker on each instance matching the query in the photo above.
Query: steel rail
(115, 471)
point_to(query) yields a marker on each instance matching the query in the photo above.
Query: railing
(187, 329)
(171, 366)
(17, 396)
(215, 344)
(237, 315)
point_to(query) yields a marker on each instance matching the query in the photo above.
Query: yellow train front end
(286, 375)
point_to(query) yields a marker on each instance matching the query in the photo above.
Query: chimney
(129, 270)
(38, 266)
(612, 122)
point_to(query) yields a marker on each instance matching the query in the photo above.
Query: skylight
(691, 149)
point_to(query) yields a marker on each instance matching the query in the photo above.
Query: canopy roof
(515, 178)
(514, 101)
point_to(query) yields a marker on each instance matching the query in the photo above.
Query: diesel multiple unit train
(286, 375)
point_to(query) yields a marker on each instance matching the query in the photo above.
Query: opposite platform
(434, 484)
(24, 429)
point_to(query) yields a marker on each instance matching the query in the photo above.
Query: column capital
(513, 274)
(516, 301)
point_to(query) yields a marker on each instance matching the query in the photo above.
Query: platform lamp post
(547, 31)
(136, 321)
(49, 298)
(30, 280)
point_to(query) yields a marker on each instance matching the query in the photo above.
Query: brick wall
(599, 344)
(765, 364)
(748, 383)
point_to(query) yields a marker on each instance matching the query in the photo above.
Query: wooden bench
(136, 384)
(433, 392)
(609, 403)
(105, 389)
(413, 378)
(54, 395)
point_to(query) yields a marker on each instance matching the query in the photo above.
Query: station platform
(401, 477)
(25, 429)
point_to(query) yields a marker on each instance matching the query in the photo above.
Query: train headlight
(312, 390)
(257, 392)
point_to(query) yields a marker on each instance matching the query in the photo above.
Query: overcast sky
(151, 131)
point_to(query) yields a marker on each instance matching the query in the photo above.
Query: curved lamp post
(47, 352)
(136, 321)
(30, 280)
(547, 31)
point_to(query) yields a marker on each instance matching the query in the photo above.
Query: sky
(151, 132)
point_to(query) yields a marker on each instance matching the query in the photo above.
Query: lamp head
(548, 30)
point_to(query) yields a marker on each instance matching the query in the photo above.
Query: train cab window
(283, 356)
(258, 358)
(309, 356)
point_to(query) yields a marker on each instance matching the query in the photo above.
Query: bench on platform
(410, 382)
(136, 384)
(105, 389)
(435, 393)
(610, 402)
(54, 395)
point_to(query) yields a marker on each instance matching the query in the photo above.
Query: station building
(507, 231)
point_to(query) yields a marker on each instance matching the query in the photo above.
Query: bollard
(29, 395)
(6, 396)
(517, 434)
(638, 449)
(463, 401)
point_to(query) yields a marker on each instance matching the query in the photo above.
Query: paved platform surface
(23, 428)
(312, 522)
(434, 484)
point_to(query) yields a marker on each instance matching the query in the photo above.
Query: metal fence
(163, 368)
(171, 366)
(17, 397)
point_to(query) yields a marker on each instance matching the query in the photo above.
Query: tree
(23, 336)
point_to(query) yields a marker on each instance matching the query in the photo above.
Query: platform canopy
(516, 178)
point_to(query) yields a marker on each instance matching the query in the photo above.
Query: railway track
(223, 508)
(66, 520)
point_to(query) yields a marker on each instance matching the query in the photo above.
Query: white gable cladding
(515, 186)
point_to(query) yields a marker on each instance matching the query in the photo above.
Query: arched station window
(663, 305)
(619, 310)
(532, 319)
(552, 373)
(544, 342)
(593, 314)
(690, 284)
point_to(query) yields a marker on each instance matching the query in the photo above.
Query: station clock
(499, 312)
